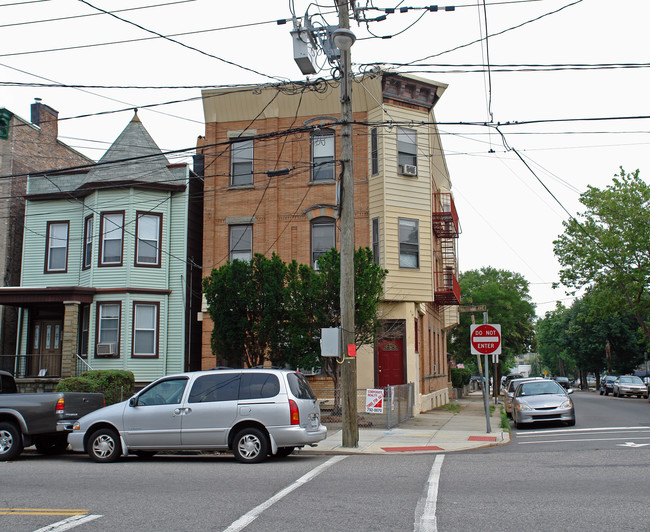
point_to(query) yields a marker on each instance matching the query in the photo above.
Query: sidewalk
(436, 431)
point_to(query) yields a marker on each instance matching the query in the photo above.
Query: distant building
(404, 208)
(25, 147)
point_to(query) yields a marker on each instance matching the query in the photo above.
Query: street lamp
(343, 39)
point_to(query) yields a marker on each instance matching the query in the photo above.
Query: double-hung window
(375, 240)
(241, 163)
(145, 329)
(56, 259)
(409, 248)
(147, 251)
(323, 238)
(241, 242)
(108, 329)
(322, 155)
(112, 237)
(374, 151)
(88, 242)
(407, 148)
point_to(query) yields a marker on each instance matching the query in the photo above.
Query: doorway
(46, 348)
(390, 362)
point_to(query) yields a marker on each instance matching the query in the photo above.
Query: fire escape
(446, 229)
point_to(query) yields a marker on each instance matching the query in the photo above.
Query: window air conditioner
(408, 169)
(105, 350)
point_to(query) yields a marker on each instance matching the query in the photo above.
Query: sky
(573, 126)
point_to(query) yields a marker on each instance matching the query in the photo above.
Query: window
(409, 253)
(374, 151)
(145, 329)
(83, 333)
(407, 147)
(57, 247)
(147, 251)
(375, 239)
(322, 238)
(259, 386)
(241, 242)
(112, 235)
(88, 242)
(241, 163)
(322, 155)
(167, 392)
(108, 327)
(218, 387)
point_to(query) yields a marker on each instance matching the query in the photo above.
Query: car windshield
(631, 380)
(539, 388)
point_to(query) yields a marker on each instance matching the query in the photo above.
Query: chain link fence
(381, 408)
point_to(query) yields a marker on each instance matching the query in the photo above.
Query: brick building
(25, 147)
(272, 185)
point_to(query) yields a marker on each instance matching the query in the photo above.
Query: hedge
(116, 385)
(460, 377)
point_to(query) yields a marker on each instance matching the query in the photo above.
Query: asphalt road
(587, 477)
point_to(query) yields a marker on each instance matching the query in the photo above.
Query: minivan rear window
(299, 386)
(211, 388)
(259, 386)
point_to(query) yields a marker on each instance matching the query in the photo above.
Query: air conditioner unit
(408, 169)
(105, 350)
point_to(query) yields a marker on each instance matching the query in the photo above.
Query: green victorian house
(109, 278)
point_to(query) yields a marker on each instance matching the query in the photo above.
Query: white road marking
(576, 440)
(249, 517)
(68, 523)
(537, 432)
(632, 444)
(425, 511)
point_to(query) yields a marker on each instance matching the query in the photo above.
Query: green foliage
(508, 301)
(269, 310)
(116, 385)
(609, 247)
(577, 338)
(460, 377)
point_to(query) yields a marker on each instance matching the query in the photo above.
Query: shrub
(116, 385)
(460, 377)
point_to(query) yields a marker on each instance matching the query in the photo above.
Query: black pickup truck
(40, 419)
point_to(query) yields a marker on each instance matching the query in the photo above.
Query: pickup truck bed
(40, 419)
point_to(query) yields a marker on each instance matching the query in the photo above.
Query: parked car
(508, 378)
(607, 384)
(40, 419)
(563, 381)
(543, 400)
(629, 385)
(251, 412)
(510, 392)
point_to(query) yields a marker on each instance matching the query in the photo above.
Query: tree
(246, 301)
(266, 310)
(610, 247)
(508, 301)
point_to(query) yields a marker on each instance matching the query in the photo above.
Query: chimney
(46, 118)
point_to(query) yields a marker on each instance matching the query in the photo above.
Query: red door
(390, 362)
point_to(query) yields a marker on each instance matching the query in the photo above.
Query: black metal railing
(32, 365)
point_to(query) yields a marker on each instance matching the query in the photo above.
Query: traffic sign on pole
(485, 339)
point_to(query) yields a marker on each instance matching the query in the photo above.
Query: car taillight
(294, 412)
(60, 405)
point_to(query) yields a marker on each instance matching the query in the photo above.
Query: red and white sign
(375, 401)
(485, 339)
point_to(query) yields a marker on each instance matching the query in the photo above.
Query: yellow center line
(41, 511)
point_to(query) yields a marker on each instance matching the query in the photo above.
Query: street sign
(485, 339)
(472, 308)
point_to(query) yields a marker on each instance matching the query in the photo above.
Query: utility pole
(350, 428)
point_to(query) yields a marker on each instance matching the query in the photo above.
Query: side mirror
(133, 401)
(570, 390)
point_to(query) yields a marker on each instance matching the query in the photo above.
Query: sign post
(485, 340)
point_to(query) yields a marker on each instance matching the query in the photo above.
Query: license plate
(313, 421)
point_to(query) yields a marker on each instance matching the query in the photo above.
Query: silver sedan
(543, 400)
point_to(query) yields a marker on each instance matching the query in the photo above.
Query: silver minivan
(252, 412)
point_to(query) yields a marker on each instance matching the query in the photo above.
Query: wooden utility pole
(350, 429)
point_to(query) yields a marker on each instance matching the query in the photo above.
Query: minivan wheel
(104, 446)
(250, 446)
(11, 442)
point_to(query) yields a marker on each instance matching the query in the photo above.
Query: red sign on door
(485, 339)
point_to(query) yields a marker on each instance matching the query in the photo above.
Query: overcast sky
(509, 215)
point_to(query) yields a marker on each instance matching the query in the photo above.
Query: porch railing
(32, 365)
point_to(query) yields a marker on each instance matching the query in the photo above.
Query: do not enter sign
(485, 339)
